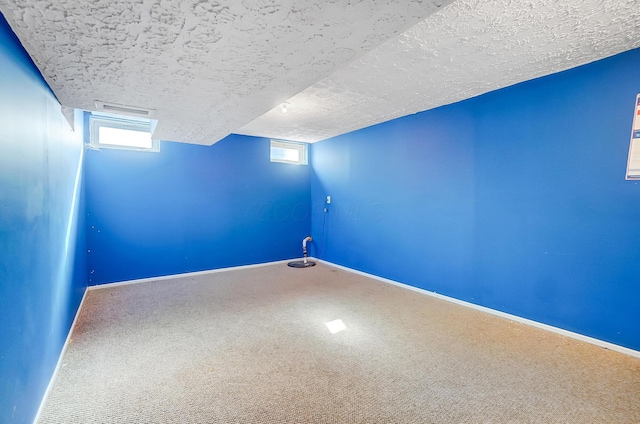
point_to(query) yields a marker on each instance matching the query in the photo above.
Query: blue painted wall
(192, 208)
(514, 200)
(41, 284)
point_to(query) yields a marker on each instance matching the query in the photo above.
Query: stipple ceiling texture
(468, 48)
(210, 68)
(206, 67)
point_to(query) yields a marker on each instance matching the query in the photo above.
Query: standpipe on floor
(305, 263)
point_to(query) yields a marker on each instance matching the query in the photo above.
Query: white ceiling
(206, 67)
(214, 68)
(468, 48)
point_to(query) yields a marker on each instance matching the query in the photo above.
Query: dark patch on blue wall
(192, 208)
(41, 283)
(514, 200)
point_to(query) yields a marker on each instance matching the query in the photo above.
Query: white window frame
(302, 148)
(96, 121)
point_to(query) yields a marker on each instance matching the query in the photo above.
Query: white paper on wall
(633, 161)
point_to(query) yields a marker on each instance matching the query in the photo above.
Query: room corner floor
(251, 346)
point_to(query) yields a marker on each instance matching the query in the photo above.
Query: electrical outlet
(328, 200)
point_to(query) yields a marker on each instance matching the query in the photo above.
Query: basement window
(289, 152)
(119, 132)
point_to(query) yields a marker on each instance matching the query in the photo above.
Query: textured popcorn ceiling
(206, 67)
(210, 68)
(466, 49)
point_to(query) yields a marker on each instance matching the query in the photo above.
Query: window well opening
(119, 132)
(289, 152)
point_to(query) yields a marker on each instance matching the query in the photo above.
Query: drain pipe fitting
(304, 247)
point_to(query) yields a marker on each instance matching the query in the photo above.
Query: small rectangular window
(288, 152)
(117, 132)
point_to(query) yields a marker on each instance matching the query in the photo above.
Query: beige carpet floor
(251, 346)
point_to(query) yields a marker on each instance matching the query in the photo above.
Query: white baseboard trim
(187, 274)
(122, 283)
(59, 363)
(566, 333)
